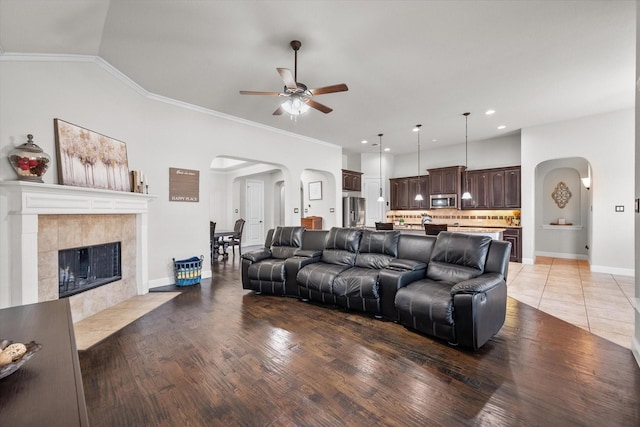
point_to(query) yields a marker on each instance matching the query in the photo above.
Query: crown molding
(113, 71)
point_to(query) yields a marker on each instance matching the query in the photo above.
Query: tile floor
(597, 302)
(91, 330)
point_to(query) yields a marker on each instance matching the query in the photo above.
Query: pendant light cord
(466, 155)
(380, 136)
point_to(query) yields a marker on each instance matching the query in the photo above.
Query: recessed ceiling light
(490, 112)
(364, 141)
(387, 149)
(501, 127)
(433, 140)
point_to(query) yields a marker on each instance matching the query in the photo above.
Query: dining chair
(434, 229)
(236, 239)
(213, 242)
(384, 226)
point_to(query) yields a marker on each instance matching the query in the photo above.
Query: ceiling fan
(297, 94)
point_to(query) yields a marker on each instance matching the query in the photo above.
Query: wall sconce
(586, 181)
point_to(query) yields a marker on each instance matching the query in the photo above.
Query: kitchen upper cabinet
(445, 180)
(478, 186)
(493, 188)
(404, 190)
(512, 191)
(419, 185)
(496, 189)
(351, 180)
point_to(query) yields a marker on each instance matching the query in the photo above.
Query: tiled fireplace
(59, 232)
(46, 218)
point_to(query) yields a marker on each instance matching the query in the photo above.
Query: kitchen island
(494, 233)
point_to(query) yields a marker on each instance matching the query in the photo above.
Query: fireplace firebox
(81, 269)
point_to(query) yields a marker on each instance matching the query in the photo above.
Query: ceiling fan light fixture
(295, 106)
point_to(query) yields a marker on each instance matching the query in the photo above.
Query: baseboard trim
(635, 348)
(613, 270)
(170, 280)
(563, 255)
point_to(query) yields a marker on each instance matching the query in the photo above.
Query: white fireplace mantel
(26, 200)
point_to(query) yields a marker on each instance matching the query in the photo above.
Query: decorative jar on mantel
(29, 161)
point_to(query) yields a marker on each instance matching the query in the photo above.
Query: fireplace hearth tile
(96, 328)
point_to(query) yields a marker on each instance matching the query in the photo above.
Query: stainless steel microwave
(441, 201)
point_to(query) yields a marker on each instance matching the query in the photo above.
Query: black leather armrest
(258, 255)
(479, 284)
(309, 253)
(407, 264)
(292, 266)
(390, 281)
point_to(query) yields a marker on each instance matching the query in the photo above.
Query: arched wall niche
(562, 197)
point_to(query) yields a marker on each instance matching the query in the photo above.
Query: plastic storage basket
(188, 271)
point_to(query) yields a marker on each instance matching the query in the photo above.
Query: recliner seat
(462, 297)
(316, 280)
(266, 270)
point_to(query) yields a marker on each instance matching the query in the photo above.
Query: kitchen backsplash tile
(500, 218)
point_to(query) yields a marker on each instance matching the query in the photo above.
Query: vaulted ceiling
(405, 62)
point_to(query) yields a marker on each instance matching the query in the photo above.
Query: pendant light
(419, 195)
(466, 195)
(380, 198)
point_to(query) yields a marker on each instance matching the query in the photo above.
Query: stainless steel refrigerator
(353, 211)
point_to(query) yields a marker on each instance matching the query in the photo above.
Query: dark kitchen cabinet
(496, 189)
(399, 193)
(514, 235)
(445, 180)
(512, 188)
(404, 190)
(493, 188)
(419, 185)
(351, 180)
(477, 183)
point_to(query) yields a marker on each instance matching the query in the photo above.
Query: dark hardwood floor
(219, 355)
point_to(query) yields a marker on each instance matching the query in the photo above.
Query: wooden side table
(47, 389)
(312, 222)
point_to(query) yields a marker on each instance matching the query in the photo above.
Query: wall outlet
(619, 208)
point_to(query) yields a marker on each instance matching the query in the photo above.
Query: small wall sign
(184, 185)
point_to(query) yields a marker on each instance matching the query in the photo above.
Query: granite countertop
(476, 229)
(461, 227)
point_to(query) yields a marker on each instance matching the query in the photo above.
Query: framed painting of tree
(90, 159)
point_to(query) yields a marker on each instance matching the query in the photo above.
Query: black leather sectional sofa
(452, 286)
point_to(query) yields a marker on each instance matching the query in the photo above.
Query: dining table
(220, 246)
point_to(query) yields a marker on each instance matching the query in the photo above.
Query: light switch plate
(619, 208)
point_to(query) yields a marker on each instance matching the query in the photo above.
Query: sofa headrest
(347, 239)
(380, 242)
(288, 236)
(286, 241)
(461, 249)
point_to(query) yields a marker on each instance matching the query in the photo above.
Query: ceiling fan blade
(318, 106)
(329, 89)
(252, 92)
(287, 78)
(279, 111)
